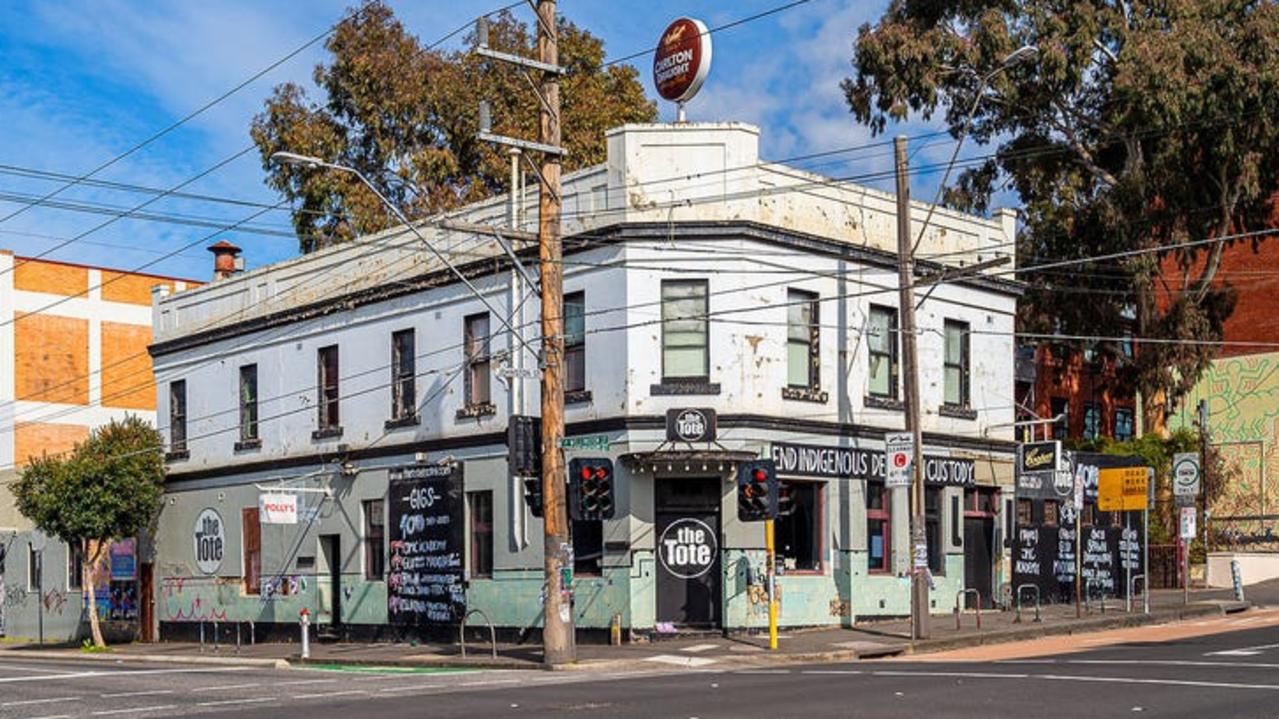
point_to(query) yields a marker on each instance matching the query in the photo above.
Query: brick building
(73, 356)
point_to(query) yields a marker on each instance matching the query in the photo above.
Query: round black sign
(688, 548)
(691, 425)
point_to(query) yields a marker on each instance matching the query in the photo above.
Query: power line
(718, 28)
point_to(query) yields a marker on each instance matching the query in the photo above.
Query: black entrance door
(979, 557)
(688, 552)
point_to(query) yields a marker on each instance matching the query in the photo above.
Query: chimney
(226, 261)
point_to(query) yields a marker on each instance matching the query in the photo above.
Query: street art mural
(1243, 405)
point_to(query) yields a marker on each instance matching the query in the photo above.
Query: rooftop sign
(682, 60)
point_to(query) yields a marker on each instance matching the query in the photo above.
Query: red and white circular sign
(682, 60)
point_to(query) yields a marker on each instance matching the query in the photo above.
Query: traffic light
(590, 488)
(533, 495)
(757, 490)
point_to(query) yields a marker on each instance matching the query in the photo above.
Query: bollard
(237, 637)
(1236, 579)
(201, 637)
(306, 633)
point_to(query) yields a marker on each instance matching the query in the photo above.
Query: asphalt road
(1231, 674)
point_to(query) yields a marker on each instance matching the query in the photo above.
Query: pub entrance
(689, 582)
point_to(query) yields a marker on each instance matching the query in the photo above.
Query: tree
(1138, 125)
(108, 488)
(406, 116)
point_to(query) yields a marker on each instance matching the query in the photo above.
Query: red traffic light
(760, 475)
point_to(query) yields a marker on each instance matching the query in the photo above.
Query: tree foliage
(406, 116)
(109, 487)
(1138, 125)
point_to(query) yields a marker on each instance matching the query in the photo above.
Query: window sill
(402, 422)
(889, 403)
(683, 387)
(805, 394)
(956, 412)
(475, 411)
(580, 396)
(326, 433)
(177, 455)
(248, 445)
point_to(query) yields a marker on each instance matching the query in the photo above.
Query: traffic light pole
(919, 609)
(770, 564)
(557, 620)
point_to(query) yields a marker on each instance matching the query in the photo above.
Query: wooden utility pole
(557, 626)
(919, 604)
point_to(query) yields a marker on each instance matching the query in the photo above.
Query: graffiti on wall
(190, 600)
(1243, 404)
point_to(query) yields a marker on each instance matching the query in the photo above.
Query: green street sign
(593, 441)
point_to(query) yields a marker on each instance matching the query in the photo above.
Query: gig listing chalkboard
(426, 583)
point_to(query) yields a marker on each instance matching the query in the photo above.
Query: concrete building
(73, 356)
(325, 411)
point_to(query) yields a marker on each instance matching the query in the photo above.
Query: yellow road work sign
(1123, 488)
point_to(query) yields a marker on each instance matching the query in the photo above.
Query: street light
(312, 163)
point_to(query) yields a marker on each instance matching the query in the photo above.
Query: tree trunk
(90, 564)
(1154, 413)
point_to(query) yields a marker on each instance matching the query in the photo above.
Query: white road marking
(490, 681)
(409, 688)
(151, 692)
(1164, 682)
(679, 661)
(129, 673)
(54, 716)
(325, 695)
(1242, 651)
(135, 710)
(35, 670)
(38, 701)
(763, 671)
(830, 671)
(1175, 663)
(699, 648)
(226, 687)
(306, 681)
(224, 702)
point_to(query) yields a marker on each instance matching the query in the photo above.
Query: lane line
(1242, 651)
(961, 675)
(151, 692)
(831, 671)
(26, 702)
(225, 702)
(226, 687)
(409, 688)
(763, 671)
(1176, 663)
(490, 682)
(326, 695)
(306, 681)
(35, 670)
(54, 716)
(127, 673)
(134, 710)
(1162, 682)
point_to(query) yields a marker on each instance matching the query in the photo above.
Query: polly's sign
(682, 60)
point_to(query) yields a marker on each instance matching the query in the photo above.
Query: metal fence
(1165, 567)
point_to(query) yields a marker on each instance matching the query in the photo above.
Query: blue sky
(81, 82)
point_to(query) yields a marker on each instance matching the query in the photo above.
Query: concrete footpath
(862, 641)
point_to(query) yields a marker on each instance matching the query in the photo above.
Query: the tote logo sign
(688, 548)
(690, 425)
(210, 541)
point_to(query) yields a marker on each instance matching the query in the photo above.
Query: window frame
(328, 393)
(479, 358)
(374, 541)
(250, 430)
(818, 488)
(934, 537)
(892, 356)
(575, 343)
(964, 366)
(478, 555)
(1061, 427)
(882, 514)
(811, 341)
(251, 550)
(35, 569)
(75, 567)
(178, 416)
(1092, 410)
(404, 374)
(704, 284)
(1129, 424)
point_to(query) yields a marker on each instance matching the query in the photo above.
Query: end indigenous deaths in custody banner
(425, 586)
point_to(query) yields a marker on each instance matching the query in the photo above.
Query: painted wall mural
(1243, 405)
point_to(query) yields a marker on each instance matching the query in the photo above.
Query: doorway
(329, 580)
(980, 504)
(689, 581)
(146, 601)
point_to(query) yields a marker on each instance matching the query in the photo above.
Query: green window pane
(953, 386)
(797, 364)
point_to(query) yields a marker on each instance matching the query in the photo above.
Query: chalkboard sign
(425, 586)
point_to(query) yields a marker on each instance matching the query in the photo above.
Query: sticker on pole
(898, 448)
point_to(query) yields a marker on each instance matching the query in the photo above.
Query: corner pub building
(337, 423)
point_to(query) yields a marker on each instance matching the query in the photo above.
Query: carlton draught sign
(682, 60)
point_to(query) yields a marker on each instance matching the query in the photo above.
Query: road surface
(1220, 668)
